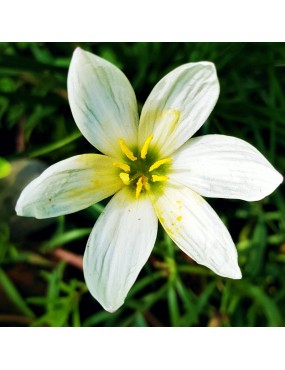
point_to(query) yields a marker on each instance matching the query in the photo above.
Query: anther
(139, 187)
(156, 178)
(159, 163)
(123, 166)
(145, 146)
(125, 177)
(146, 184)
(127, 151)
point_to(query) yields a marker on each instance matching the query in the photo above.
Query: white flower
(153, 169)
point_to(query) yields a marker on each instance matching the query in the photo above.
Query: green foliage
(5, 168)
(14, 295)
(40, 287)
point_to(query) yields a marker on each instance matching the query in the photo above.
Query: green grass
(37, 288)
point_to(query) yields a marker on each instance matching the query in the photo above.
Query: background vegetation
(41, 280)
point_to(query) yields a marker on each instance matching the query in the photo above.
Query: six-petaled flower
(153, 170)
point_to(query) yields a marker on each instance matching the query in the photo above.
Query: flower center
(142, 170)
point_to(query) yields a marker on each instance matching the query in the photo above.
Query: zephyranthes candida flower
(153, 170)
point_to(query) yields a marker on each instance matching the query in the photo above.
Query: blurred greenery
(5, 168)
(41, 280)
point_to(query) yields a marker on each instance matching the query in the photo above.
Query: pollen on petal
(159, 163)
(127, 151)
(145, 146)
(170, 118)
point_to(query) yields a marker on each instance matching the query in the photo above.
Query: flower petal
(195, 227)
(118, 247)
(69, 186)
(102, 102)
(224, 167)
(178, 106)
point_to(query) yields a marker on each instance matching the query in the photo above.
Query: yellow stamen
(159, 163)
(127, 151)
(139, 187)
(156, 178)
(123, 166)
(146, 184)
(125, 177)
(145, 146)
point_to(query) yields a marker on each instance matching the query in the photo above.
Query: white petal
(224, 167)
(102, 102)
(69, 186)
(119, 245)
(179, 105)
(195, 227)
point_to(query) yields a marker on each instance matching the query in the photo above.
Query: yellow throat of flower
(143, 170)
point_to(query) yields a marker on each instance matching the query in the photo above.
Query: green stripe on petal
(69, 186)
